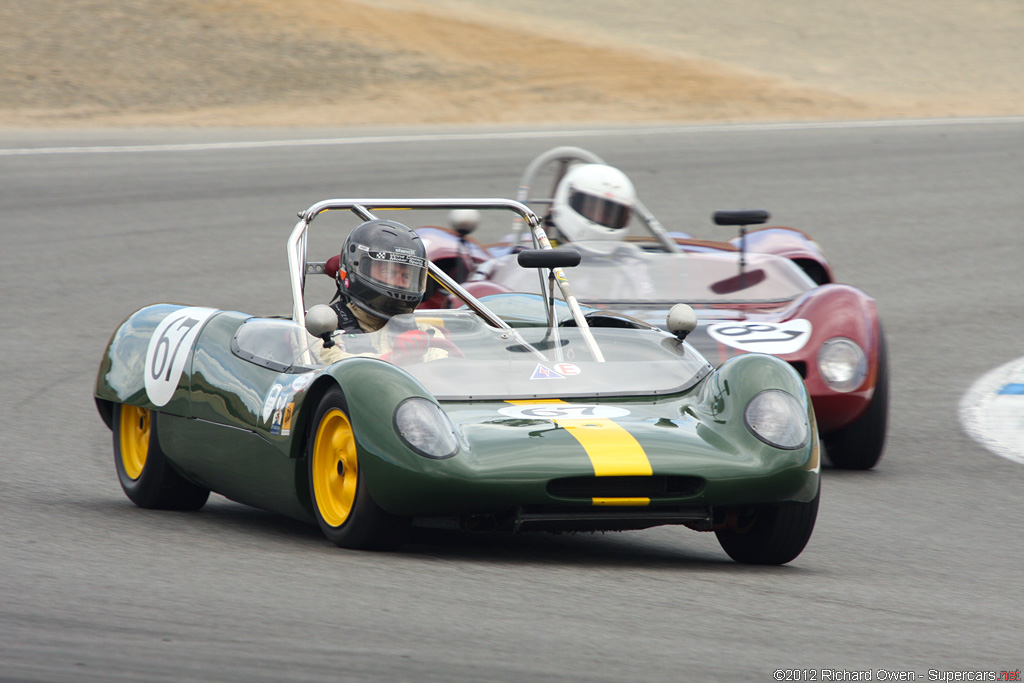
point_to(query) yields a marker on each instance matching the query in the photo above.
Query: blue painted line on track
(992, 411)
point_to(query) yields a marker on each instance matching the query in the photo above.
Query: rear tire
(344, 509)
(859, 445)
(145, 474)
(771, 534)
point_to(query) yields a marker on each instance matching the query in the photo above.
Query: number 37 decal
(775, 338)
(169, 349)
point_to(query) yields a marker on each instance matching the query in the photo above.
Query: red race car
(768, 290)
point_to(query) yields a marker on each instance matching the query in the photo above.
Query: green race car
(526, 412)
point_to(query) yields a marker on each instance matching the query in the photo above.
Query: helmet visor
(600, 210)
(395, 271)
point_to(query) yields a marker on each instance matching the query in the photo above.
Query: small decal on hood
(544, 372)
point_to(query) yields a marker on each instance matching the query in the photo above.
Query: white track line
(509, 135)
(992, 411)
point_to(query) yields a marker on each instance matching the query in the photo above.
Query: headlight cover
(778, 419)
(842, 364)
(425, 428)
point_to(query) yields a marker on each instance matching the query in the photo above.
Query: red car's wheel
(145, 474)
(859, 445)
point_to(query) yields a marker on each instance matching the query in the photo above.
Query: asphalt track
(914, 566)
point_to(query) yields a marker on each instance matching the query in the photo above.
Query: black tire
(770, 534)
(145, 474)
(344, 509)
(859, 445)
(814, 270)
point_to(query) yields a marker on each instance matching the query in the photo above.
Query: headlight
(778, 419)
(842, 364)
(425, 428)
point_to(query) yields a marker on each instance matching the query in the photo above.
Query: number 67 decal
(775, 338)
(169, 349)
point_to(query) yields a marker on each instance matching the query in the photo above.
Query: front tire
(859, 445)
(770, 534)
(344, 509)
(145, 474)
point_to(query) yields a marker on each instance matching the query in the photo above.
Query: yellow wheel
(145, 473)
(335, 468)
(344, 509)
(134, 435)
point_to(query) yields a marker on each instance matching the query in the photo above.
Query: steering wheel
(411, 345)
(439, 342)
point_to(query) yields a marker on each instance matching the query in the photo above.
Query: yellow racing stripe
(612, 450)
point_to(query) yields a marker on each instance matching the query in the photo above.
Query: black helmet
(384, 266)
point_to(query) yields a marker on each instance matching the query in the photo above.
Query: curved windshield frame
(275, 343)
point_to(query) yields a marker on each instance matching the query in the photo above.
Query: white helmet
(593, 202)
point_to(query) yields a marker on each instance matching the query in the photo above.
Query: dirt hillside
(365, 62)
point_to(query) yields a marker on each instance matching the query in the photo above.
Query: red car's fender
(838, 311)
(796, 245)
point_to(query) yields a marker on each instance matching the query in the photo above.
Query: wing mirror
(322, 322)
(548, 258)
(464, 221)
(682, 320)
(741, 217)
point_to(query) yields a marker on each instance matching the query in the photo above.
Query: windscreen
(455, 355)
(631, 274)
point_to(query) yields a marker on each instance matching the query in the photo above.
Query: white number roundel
(774, 338)
(169, 348)
(564, 411)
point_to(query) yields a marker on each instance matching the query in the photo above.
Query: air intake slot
(625, 487)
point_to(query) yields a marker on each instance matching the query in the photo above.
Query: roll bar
(363, 208)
